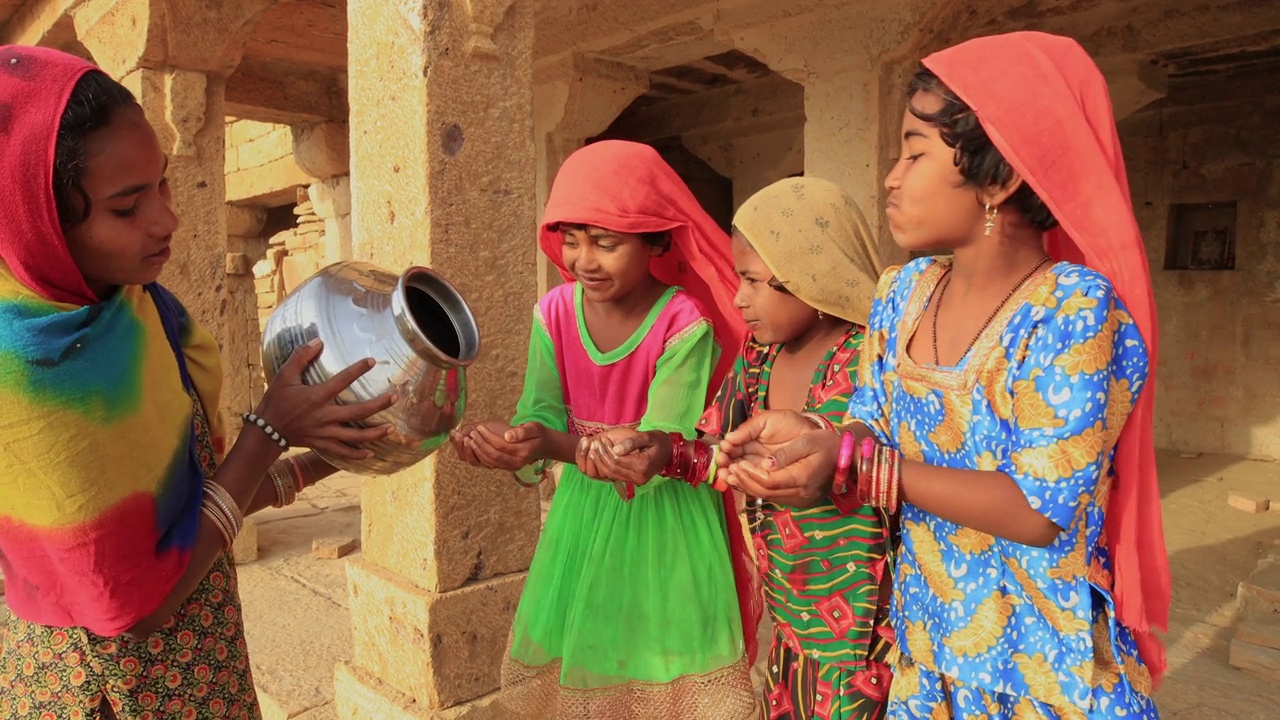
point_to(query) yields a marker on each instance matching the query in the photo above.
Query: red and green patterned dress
(822, 569)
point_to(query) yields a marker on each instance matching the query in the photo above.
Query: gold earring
(990, 225)
(821, 315)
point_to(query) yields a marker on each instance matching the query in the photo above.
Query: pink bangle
(844, 460)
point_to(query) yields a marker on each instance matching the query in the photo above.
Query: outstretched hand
(780, 456)
(499, 446)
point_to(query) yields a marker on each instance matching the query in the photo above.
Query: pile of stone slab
(1255, 649)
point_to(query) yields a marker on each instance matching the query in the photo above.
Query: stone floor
(297, 618)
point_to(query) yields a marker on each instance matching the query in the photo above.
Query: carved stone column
(175, 56)
(442, 174)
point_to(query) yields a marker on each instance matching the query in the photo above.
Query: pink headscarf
(35, 84)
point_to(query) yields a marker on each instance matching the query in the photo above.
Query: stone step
(1260, 592)
(1262, 630)
(1260, 662)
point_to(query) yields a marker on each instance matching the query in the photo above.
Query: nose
(740, 297)
(893, 180)
(163, 221)
(585, 260)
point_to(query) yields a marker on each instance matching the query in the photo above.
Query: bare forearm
(990, 502)
(562, 446)
(309, 466)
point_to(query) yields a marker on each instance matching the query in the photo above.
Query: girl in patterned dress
(114, 513)
(807, 266)
(630, 609)
(1007, 398)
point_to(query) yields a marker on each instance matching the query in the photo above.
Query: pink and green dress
(630, 608)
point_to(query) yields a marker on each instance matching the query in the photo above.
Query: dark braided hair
(980, 163)
(93, 104)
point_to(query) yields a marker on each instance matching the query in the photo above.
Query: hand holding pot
(307, 416)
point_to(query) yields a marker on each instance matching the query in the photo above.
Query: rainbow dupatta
(100, 477)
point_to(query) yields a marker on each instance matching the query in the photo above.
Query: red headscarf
(627, 187)
(38, 81)
(1045, 105)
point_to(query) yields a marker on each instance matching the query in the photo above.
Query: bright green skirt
(630, 608)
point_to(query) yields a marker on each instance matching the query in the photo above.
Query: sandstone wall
(1219, 330)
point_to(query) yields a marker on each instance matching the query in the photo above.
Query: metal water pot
(416, 326)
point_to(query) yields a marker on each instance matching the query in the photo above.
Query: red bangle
(678, 465)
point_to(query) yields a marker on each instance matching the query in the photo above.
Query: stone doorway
(726, 123)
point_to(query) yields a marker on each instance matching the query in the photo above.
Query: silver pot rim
(455, 309)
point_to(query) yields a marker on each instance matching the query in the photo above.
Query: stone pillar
(177, 69)
(442, 174)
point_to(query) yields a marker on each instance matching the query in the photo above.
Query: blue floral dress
(988, 627)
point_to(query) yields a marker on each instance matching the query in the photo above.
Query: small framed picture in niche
(1201, 236)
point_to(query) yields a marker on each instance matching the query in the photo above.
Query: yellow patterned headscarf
(816, 242)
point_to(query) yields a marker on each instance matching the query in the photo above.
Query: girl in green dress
(630, 609)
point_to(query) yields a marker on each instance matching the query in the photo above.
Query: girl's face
(125, 240)
(772, 315)
(608, 264)
(929, 206)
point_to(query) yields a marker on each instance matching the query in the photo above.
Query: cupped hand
(624, 455)
(307, 416)
(500, 446)
(466, 450)
(760, 435)
(780, 456)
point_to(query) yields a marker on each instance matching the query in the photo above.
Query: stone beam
(1134, 83)
(759, 106)
(270, 92)
(193, 35)
(42, 22)
(1116, 29)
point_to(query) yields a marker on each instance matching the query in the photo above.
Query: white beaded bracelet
(265, 427)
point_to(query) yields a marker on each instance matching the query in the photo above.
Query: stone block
(265, 150)
(441, 649)
(1248, 503)
(1260, 662)
(442, 524)
(1260, 592)
(245, 220)
(302, 241)
(270, 184)
(331, 198)
(1262, 630)
(245, 548)
(332, 548)
(361, 696)
(337, 239)
(296, 268)
(239, 264)
(323, 150)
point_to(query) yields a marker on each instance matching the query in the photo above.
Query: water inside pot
(433, 321)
